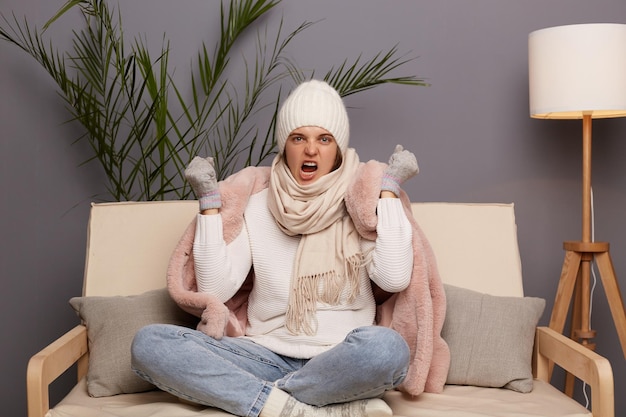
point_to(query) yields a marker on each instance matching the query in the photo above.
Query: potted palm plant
(141, 127)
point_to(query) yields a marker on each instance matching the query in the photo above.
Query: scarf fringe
(327, 288)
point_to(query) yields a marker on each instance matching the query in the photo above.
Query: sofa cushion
(111, 325)
(490, 338)
(454, 401)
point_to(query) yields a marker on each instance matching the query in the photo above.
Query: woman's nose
(310, 148)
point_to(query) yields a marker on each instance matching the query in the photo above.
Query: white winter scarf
(328, 257)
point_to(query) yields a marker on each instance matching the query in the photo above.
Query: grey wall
(470, 130)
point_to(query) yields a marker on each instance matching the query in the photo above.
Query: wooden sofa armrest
(47, 365)
(583, 363)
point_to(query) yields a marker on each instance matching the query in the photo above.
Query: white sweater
(221, 270)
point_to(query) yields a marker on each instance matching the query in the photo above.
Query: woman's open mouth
(309, 167)
(307, 171)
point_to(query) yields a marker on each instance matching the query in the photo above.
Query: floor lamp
(579, 72)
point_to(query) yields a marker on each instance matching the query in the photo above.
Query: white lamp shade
(577, 69)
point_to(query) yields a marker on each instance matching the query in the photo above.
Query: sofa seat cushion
(472, 401)
(455, 401)
(145, 404)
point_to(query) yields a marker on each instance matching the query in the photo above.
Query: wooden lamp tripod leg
(613, 295)
(575, 276)
(565, 290)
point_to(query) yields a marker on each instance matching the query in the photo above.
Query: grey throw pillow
(111, 326)
(490, 338)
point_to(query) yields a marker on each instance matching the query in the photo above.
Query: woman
(310, 347)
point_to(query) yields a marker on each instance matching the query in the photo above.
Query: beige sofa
(491, 329)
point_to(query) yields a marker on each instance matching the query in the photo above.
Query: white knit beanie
(313, 103)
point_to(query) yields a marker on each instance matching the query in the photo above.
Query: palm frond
(360, 76)
(143, 130)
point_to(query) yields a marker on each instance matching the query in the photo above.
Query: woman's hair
(338, 159)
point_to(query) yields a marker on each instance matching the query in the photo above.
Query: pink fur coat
(417, 312)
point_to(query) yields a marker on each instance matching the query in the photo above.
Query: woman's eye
(325, 139)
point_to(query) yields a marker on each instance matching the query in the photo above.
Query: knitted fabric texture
(313, 103)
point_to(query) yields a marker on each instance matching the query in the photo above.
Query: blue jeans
(236, 374)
